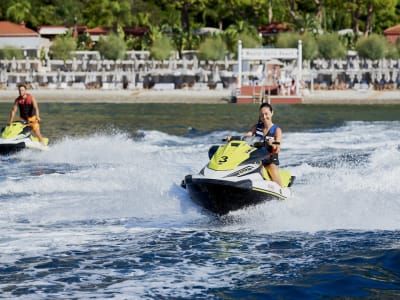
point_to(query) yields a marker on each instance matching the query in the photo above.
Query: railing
(318, 74)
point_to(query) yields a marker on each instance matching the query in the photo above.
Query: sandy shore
(194, 96)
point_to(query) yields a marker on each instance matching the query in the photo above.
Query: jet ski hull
(10, 148)
(222, 196)
(17, 136)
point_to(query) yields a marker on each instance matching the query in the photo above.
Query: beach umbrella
(132, 78)
(93, 77)
(84, 64)
(74, 65)
(215, 74)
(29, 77)
(27, 64)
(394, 74)
(373, 75)
(136, 64)
(13, 64)
(103, 76)
(195, 63)
(184, 63)
(3, 76)
(171, 65)
(275, 62)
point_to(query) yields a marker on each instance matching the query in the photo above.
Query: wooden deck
(258, 94)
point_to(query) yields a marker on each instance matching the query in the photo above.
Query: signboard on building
(269, 53)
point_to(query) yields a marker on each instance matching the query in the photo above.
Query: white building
(18, 36)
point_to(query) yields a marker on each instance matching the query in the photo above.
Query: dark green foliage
(11, 52)
(330, 46)
(213, 48)
(62, 47)
(291, 40)
(372, 47)
(161, 48)
(111, 47)
(237, 20)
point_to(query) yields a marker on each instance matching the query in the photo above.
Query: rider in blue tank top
(272, 134)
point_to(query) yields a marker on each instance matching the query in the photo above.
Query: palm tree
(20, 11)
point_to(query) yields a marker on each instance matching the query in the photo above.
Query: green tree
(108, 13)
(111, 47)
(212, 48)
(84, 42)
(290, 40)
(373, 7)
(20, 11)
(161, 48)
(58, 12)
(330, 46)
(10, 52)
(372, 47)
(392, 51)
(185, 7)
(62, 47)
(241, 30)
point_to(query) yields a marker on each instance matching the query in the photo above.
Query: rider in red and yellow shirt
(28, 111)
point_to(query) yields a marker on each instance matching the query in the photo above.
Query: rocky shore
(340, 97)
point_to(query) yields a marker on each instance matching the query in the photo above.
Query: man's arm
(12, 113)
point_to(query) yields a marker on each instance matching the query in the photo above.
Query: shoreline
(331, 97)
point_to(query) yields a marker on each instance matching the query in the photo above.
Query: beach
(222, 96)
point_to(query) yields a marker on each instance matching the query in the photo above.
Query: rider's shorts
(33, 122)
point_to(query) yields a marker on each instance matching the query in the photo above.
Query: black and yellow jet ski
(235, 178)
(18, 136)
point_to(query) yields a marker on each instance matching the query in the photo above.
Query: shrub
(212, 48)
(9, 52)
(372, 47)
(330, 46)
(291, 40)
(392, 51)
(62, 47)
(161, 48)
(111, 47)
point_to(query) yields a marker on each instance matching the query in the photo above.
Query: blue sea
(101, 215)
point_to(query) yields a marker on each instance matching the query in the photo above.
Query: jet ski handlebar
(252, 140)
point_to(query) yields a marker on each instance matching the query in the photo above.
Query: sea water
(102, 215)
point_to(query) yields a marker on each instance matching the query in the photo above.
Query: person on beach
(28, 111)
(272, 135)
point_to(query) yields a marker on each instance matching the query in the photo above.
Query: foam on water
(111, 207)
(346, 179)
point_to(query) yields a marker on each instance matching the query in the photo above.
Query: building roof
(98, 30)
(136, 30)
(9, 29)
(395, 30)
(52, 29)
(273, 28)
(133, 30)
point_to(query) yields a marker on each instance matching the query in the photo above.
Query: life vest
(271, 133)
(26, 109)
(260, 130)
